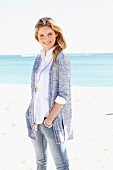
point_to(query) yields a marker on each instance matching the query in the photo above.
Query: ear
(56, 34)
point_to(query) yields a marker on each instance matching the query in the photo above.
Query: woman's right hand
(36, 127)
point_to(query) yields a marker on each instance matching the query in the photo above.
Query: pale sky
(87, 24)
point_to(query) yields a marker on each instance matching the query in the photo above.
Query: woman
(49, 115)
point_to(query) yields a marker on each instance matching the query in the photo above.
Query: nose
(46, 37)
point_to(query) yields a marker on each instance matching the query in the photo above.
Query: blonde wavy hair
(60, 40)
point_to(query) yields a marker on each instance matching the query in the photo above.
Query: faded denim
(46, 136)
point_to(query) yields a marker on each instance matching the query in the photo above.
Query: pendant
(36, 87)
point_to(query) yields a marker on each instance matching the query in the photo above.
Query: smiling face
(47, 37)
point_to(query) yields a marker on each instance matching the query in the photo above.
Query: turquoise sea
(92, 69)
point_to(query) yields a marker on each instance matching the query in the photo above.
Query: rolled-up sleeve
(60, 100)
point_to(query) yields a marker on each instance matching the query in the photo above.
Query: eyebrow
(47, 33)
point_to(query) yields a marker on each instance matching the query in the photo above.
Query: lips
(47, 43)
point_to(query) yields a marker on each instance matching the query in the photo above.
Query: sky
(87, 24)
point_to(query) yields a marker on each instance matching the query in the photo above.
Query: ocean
(90, 70)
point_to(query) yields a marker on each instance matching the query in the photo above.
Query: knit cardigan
(59, 85)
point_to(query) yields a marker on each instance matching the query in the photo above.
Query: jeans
(45, 136)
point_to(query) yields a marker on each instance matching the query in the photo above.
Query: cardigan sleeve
(64, 76)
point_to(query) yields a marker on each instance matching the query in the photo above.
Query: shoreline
(3, 85)
(92, 146)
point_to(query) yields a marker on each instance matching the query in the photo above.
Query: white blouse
(41, 97)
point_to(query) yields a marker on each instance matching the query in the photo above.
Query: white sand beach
(92, 147)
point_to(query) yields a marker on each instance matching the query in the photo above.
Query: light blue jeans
(45, 136)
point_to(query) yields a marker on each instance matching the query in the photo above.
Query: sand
(92, 147)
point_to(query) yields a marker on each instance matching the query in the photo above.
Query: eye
(49, 34)
(41, 35)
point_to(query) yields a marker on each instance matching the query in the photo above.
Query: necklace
(36, 83)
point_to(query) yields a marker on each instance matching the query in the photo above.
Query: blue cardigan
(59, 85)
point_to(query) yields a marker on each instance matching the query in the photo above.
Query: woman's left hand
(48, 123)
